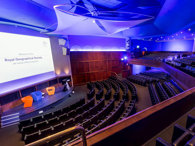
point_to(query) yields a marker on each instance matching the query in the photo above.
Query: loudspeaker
(62, 42)
(64, 50)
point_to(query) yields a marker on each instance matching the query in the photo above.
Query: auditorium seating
(100, 88)
(93, 115)
(168, 89)
(185, 64)
(132, 88)
(148, 77)
(153, 94)
(108, 88)
(98, 111)
(161, 92)
(91, 88)
(48, 116)
(181, 136)
(130, 109)
(177, 86)
(160, 85)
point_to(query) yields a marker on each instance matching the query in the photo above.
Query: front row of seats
(181, 136)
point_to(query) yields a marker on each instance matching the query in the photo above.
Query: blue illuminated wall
(94, 43)
(136, 69)
(172, 46)
(179, 45)
(150, 45)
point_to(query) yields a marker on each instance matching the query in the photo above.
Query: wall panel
(94, 66)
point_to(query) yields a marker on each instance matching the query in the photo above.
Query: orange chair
(50, 90)
(27, 100)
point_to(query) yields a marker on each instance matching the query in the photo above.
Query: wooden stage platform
(19, 113)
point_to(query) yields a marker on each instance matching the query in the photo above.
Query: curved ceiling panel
(96, 23)
(25, 12)
(175, 15)
(112, 27)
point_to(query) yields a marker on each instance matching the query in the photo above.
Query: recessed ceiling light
(181, 32)
(189, 29)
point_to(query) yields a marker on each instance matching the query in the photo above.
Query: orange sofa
(28, 101)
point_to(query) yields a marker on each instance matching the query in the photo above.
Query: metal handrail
(62, 133)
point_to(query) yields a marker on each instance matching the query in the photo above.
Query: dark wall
(93, 66)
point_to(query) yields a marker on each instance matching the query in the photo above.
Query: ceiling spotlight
(181, 32)
(93, 21)
(189, 29)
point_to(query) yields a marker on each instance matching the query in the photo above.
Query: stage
(47, 103)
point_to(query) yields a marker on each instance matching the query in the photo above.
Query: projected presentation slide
(23, 56)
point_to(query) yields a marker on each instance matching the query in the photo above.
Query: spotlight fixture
(189, 29)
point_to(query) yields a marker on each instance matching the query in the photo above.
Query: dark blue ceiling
(169, 16)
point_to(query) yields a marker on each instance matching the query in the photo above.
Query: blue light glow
(97, 49)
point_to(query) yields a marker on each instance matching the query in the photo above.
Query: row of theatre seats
(186, 64)
(161, 91)
(100, 110)
(160, 85)
(146, 78)
(109, 84)
(181, 136)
